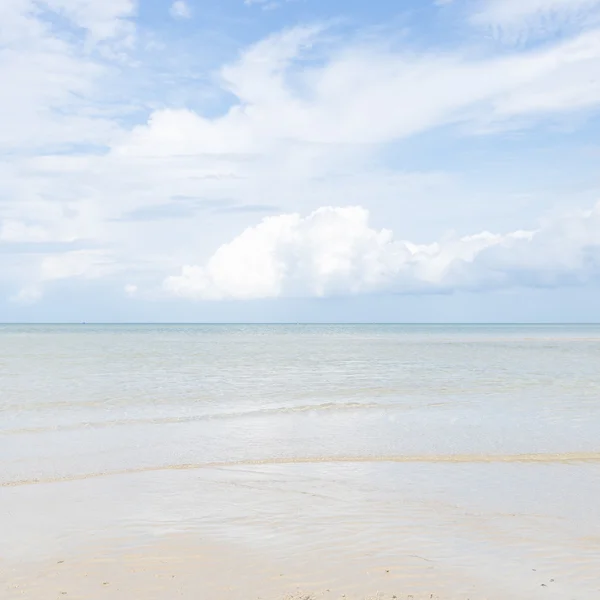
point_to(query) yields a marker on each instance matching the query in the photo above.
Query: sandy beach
(277, 531)
(189, 566)
(179, 568)
(308, 463)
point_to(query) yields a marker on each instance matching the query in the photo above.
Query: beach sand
(179, 568)
(280, 531)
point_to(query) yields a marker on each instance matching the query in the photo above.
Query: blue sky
(300, 160)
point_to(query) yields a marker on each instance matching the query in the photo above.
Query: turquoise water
(415, 426)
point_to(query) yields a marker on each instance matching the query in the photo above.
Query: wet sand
(448, 530)
(180, 568)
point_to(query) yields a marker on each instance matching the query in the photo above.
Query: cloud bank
(335, 251)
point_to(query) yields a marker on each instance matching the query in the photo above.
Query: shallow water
(475, 449)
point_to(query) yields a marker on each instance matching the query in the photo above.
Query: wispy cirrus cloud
(55, 93)
(403, 95)
(267, 4)
(526, 19)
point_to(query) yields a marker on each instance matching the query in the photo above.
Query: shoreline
(524, 458)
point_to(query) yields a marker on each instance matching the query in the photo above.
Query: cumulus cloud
(335, 251)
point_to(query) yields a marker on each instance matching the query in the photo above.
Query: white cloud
(521, 19)
(266, 4)
(403, 95)
(180, 10)
(54, 96)
(108, 19)
(511, 11)
(335, 251)
(295, 134)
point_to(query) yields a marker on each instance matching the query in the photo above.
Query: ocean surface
(474, 448)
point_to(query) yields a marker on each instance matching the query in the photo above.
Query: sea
(461, 459)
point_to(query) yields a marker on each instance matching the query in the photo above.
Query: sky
(300, 160)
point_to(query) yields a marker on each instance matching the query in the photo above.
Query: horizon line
(411, 323)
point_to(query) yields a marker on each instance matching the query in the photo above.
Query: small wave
(276, 410)
(550, 458)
